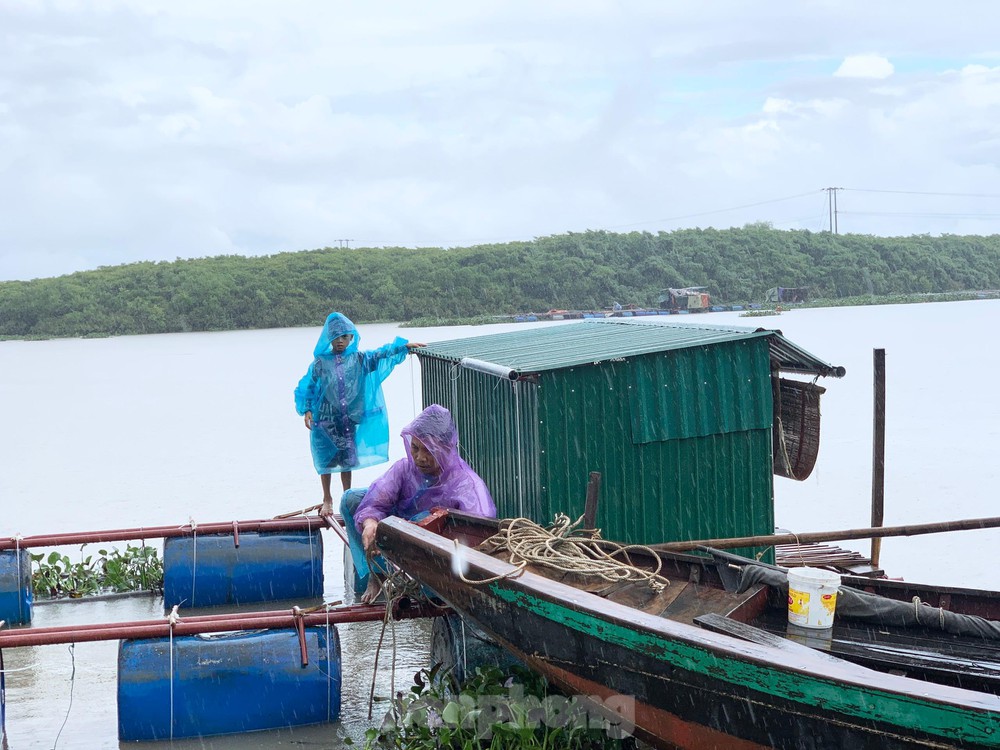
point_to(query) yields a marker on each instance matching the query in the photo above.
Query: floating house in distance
(689, 299)
(685, 423)
(787, 295)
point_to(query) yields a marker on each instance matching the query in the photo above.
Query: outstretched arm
(386, 357)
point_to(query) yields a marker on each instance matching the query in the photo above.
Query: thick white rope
(562, 548)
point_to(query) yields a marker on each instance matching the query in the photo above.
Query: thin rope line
(17, 555)
(194, 564)
(329, 667)
(517, 448)
(413, 382)
(465, 653)
(72, 682)
(3, 701)
(172, 620)
(16, 669)
(312, 562)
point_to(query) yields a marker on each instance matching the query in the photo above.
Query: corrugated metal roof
(591, 342)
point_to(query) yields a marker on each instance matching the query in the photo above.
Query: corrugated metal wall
(498, 430)
(682, 440)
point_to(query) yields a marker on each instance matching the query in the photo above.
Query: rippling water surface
(156, 430)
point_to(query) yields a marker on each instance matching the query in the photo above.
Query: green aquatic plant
(136, 568)
(499, 711)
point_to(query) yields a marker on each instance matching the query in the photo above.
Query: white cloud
(865, 66)
(198, 127)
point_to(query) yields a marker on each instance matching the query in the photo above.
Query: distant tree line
(587, 270)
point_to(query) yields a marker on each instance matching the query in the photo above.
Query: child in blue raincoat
(340, 398)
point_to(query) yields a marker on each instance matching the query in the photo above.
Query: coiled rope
(563, 548)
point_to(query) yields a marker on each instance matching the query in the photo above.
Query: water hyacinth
(493, 709)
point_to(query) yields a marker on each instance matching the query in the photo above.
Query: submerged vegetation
(581, 271)
(496, 711)
(111, 571)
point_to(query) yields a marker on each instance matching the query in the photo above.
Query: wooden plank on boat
(697, 599)
(826, 555)
(719, 624)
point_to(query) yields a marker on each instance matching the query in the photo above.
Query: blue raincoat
(344, 393)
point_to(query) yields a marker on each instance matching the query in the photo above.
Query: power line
(717, 211)
(929, 215)
(832, 211)
(920, 192)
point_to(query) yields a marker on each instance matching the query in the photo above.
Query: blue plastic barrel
(208, 570)
(15, 586)
(227, 683)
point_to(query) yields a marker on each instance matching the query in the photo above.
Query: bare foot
(327, 508)
(372, 592)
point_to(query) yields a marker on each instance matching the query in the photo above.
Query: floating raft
(204, 564)
(162, 532)
(285, 618)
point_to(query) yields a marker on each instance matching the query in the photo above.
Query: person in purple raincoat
(340, 398)
(433, 475)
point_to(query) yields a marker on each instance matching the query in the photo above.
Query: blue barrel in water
(206, 570)
(15, 586)
(227, 683)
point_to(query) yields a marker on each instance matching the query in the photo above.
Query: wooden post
(593, 492)
(878, 452)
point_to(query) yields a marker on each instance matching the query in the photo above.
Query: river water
(158, 430)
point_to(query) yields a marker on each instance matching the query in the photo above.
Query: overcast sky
(149, 130)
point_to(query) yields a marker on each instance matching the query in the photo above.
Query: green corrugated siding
(682, 440)
(693, 488)
(498, 431)
(700, 391)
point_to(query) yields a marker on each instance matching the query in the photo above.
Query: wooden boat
(713, 664)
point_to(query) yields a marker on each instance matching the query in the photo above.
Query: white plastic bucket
(812, 597)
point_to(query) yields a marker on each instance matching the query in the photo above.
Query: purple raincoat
(404, 491)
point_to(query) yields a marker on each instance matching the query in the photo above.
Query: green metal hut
(682, 422)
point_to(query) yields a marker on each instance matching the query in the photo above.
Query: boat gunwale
(815, 666)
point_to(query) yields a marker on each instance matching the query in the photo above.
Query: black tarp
(865, 607)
